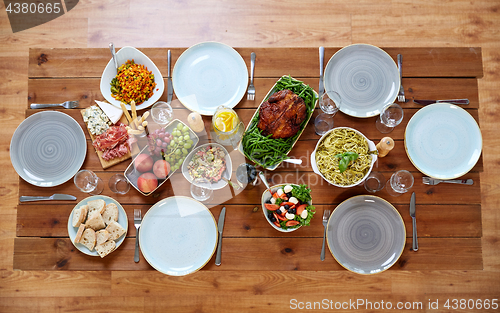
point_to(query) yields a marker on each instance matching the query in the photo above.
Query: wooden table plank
(437, 221)
(46, 90)
(322, 192)
(271, 62)
(365, 125)
(397, 159)
(247, 254)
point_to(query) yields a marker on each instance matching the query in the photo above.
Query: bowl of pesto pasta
(344, 157)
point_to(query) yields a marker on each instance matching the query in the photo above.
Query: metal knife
(414, 221)
(452, 101)
(321, 89)
(56, 196)
(220, 226)
(170, 89)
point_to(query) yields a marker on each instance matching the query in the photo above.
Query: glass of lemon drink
(227, 127)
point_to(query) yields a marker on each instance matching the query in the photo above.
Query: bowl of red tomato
(287, 207)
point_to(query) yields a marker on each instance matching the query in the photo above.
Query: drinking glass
(119, 184)
(88, 182)
(329, 102)
(399, 183)
(389, 118)
(201, 189)
(374, 182)
(161, 113)
(323, 123)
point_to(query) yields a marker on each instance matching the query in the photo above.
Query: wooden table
(449, 216)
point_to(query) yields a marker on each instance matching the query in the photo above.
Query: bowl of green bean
(268, 152)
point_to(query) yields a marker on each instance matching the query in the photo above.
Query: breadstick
(144, 117)
(134, 111)
(125, 111)
(135, 132)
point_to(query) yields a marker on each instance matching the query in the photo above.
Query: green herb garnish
(345, 159)
(302, 193)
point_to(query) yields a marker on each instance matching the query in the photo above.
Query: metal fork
(326, 216)
(66, 104)
(401, 95)
(434, 181)
(251, 88)
(137, 224)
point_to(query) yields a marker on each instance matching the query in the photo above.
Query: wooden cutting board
(107, 164)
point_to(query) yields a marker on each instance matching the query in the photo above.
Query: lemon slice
(219, 123)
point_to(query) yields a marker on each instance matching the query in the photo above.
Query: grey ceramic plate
(48, 148)
(366, 78)
(366, 234)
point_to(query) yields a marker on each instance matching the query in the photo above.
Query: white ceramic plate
(122, 220)
(366, 234)
(208, 75)
(227, 172)
(178, 236)
(48, 148)
(443, 141)
(123, 55)
(366, 78)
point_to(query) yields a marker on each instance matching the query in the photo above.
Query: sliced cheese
(113, 113)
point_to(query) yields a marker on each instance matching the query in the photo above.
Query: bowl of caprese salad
(287, 207)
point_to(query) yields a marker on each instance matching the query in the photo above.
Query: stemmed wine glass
(399, 183)
(201, 189)
(88, 182)
(390, 117)
(329, 102)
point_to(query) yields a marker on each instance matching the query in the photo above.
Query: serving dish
(209, 74)
(366, 234)
(178, 236)
(252, 125)
(266, 196)
(443, 141)
(366, 78)
(122, 56)
(371, 147)
(227, 172)
(48, 148)
(107, 163)
(122, 220)
(132, 174)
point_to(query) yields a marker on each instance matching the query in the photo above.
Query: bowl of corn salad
(137, 79)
